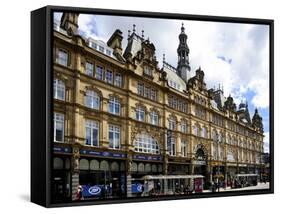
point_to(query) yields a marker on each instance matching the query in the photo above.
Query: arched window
(59, 89)
(146, 144)
(92, 99)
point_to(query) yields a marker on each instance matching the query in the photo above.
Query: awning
(159, 177)
(246, 175)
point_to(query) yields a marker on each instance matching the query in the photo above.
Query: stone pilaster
(75, 172)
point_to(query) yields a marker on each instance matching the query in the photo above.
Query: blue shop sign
(92, 191)
(147, 157)
(102, 154)
(137, 188)
(61, 149)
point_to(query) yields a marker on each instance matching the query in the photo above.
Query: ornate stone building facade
(118, 116)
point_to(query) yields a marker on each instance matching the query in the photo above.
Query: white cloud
(266, 142)
(246, 45)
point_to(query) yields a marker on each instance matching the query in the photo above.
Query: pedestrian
(79, 195)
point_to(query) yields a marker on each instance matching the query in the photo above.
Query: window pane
(99, 73)
(109, 76)
(62, 57)
(118, 80)
(89, 69)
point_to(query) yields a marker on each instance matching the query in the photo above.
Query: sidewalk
(258, 187)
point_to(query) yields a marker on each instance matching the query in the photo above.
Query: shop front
(143, 165)
(102, 174)
(61, 189)
(61, 174)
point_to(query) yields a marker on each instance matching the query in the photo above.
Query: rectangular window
(183, 127)
(101, 49)
(172, 124)
(146, 92)
(59, 89)
(58, 127)
(148, 70)
(62, 57)
(94, 45)
(114, 106)
(172, 146)
(140, 89)
(183, 148)
(140, 114)
(89, 69)
(108, 52)
(118, 80)
(114, 137)
(92, 100)
(109, 76)
(92, 133)
(99, 73)
(153, 94)
(154, 118)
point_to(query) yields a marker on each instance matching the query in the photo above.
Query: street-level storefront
(243, 169)
(102, 174)
(231, 171)
(61, 174)
(61, 182)
(142, 165)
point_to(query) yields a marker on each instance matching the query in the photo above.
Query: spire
(183, 68)
(129, 34)
(182, 28)
(134, 28)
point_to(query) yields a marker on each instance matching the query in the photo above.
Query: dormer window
(108, 52)
(101, 49)
(147, 70)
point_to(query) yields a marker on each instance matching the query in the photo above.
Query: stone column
(178, 145)
(129, 176)
(75, 172)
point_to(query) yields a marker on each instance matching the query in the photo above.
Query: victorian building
(118, 116)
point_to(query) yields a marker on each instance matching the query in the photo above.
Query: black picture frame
(41, 101)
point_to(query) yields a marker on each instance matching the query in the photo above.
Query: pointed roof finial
(142, 34)
(134, 28)
(163, 57)
(219, 86)
(182, 27)
(129, 34)
(222, 87)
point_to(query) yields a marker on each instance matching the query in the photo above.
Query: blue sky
(233, 55)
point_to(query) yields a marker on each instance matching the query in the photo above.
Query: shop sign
(102, 154)
(147, 157)
(92, 191)
(231, 164)
(61, 149)
(199, 162)
(137, 188)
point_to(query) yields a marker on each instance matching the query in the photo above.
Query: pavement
(260, 186)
